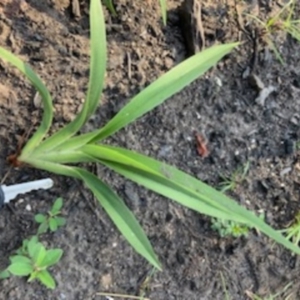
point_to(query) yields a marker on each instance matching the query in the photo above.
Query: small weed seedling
(229, 228)
(52, 220)
(238, 176)
(293, 231)
(33, 260)
(281, 22)
(62, 152)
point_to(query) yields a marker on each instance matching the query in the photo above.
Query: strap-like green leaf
(164, 87)
(169, 189)
(44, 93)
(181, 187)
(109, 4)
(121, 216)
(163, 7)
(113, 205)
(96, 80)
(152, 96)
(46, 278)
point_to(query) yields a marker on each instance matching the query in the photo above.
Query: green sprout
(238, 176)
(293, 231)
(229, 228)
(281, 22)
(61, 152)
(109, 4)
(33, 262)
(52, 220)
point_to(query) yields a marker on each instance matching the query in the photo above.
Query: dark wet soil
(53, 38)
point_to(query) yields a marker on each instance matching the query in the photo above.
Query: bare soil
(53, 39)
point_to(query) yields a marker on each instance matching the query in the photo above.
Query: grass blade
(41, 88)
(179, 192)
(122, 217)
(109, 4)
(96, 81)
(163, 7)
(148, 172)
(164, 87)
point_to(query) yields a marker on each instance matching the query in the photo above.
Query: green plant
(60, 152)
(109, 4)
(238, 176)
(232, 228)
(52, 220)
(293, 231)
(229, 228)
(281, 22)
(33, 260)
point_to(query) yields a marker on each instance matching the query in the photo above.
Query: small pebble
(285, 171)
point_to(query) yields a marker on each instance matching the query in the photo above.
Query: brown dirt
(54, 41)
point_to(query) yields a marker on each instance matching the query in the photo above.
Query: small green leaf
(20, 269)
(39, 218)
(37, 252)
(31, 245)
(53, 224)
(33, 275)
(45, 278)
(60, 221)
(4, 274)
(57, 206)
(31, 248)
(43, 227)
(52, 257)
(20, 259)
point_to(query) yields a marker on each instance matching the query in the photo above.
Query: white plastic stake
(12, 191)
